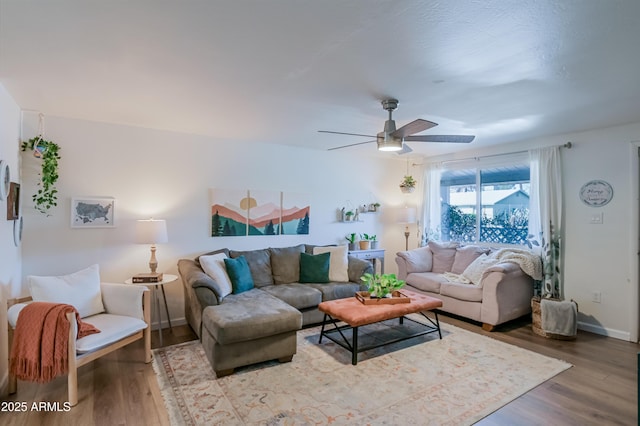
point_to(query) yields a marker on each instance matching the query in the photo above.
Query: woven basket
(536, 324)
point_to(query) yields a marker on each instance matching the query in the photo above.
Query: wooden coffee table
(355, 314)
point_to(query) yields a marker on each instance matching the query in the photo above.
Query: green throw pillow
(314, 268)
(239, 274)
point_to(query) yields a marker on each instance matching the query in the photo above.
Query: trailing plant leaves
(46, 196)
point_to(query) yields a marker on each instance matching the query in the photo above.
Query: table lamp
(151, 231)
(406, 215)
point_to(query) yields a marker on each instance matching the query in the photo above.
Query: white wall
(603, 257)
(168, 175)
(10, 259)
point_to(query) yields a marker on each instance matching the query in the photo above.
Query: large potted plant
(46, 196)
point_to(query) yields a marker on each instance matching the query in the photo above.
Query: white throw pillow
(213, 265)
(476, 269)
(80, 289)
(338, 262)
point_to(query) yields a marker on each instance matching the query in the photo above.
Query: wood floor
(600, 388)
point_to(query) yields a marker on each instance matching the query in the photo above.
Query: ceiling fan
(392, 139)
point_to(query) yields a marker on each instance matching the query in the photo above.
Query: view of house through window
(485, 204)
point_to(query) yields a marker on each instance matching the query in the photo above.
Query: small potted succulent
(374, 241)
(382, 285)
(348, 215)
(373, 207)
(365, 241)
(352, 241)
(408, 184)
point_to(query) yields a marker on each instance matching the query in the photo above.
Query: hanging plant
(47, 195)
(408, 184)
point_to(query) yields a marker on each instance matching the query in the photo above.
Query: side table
(372, 255)
(166, 279)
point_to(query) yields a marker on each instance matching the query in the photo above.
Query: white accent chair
(126, 319)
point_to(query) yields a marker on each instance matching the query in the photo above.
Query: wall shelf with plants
(351, 214)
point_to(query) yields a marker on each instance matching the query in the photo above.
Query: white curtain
(545, 216)
(431, 203)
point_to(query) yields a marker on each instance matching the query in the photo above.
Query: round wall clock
(5, 179)
(17, 231)
(596, 193)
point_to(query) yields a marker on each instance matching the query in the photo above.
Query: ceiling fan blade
(405, 149)
(416, 126)
(347, 146)
(348, 134)
(440, 138)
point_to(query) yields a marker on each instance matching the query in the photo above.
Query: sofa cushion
(259, 263)
(248, 316)
(475, 270)
(213, 265)
(240, 274)
(443, 256)
(339, 263)
(426, 281)
(285, 264)
(300, 296)
(314, 268)
(417, 260)
(465, 255)
(80, 289)
(334, 291)
(460, 291)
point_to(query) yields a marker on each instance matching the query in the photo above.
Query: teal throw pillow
(239, 274)
(314, 268)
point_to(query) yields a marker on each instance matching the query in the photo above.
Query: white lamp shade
(151, 231)
(406, 214)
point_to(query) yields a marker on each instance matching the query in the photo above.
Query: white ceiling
(277, 71)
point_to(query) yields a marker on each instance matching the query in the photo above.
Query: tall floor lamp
(152, 232)
(406, 215)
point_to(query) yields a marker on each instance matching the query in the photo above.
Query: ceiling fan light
(389, 145)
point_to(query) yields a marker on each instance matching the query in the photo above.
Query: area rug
(454, 381)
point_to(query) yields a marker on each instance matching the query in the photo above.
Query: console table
(372, 255)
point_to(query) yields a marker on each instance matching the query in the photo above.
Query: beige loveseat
(478, 283)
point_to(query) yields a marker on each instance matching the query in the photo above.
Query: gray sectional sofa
(260, 324)
(478, 283)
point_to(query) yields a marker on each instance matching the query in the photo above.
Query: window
(487, 203)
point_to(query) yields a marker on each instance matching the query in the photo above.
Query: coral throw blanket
(41, 341)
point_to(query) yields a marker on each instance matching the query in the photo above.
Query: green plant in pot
(374, 241)
(49, 152)
(382, 285)
(352, 240)
(348, 215)
(365, 241)
(408, 184)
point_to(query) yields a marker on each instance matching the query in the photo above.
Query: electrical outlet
(596, 297)
(596, 219)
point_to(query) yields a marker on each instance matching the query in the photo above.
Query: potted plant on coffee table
(382, 285)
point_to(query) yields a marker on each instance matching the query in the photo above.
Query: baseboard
(165, 323)
(4, 385)
(597, 329)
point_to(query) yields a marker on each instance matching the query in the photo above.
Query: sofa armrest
(357, 268)
(196, 280)
(416, 260)
(123, 299)
(506, 293)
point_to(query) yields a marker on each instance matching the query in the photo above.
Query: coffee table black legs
(352, 344)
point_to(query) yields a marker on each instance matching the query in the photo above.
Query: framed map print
(93, 212)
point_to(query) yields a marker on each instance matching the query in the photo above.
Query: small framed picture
(13, 202)
(93, 212)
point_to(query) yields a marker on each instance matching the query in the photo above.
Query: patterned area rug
(454, 381)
